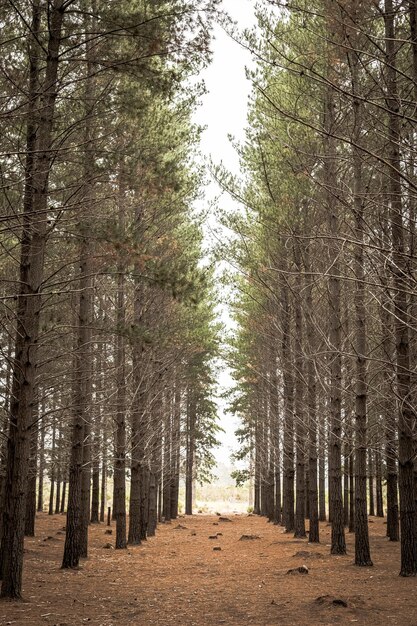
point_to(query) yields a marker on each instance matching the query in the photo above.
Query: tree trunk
(362, 550)
(300, 431)
(41, 469)
(64, 493)
(52, 470)
(95, 491)
(379, 498)
(351, 495)
(137, 437)
(31, 494)
(59, 472)
(389, 411)
(371, 484)
(175, 461)
(275, 435)
(313, 496)
(134, 535)
(338, 544)
(152, 517)
(288, 501)
(408, 521)
(257, 485)
(189, 462)
(103, 486)
(346, 484)
(322, 474)
(78, 512)
(119, 501)
(37, 168)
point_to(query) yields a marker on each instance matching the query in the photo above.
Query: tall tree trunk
(37, 168)
(322, 475)
(371, 483)
(135, 534)
(63, 495)
(288, 500)
(96, 443)
(167, 459)
(59, 470)
(257, 485)
(300, 431)
(408, 521)
(362, 550)
(264, 447)
(389, 410)
(313, 496)
(351, 494)
(41, 469)
(338, 544)
(119, 502)
(52, 469)
(86, 319)
(75, 542)
(175, 461)
(152, 516)
(95, 490)
(31, 493)
(78, 511)
(346, 480)
(155, 425)
(189, 462)
(275, 435)
(379, 498)
(103, 485)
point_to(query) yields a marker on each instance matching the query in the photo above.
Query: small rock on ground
(249, 537)
(331, 600)
(303, 569)
(304, 554)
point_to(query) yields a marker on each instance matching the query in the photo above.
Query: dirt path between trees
(179, 578)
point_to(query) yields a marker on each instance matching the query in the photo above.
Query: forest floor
(179, 578)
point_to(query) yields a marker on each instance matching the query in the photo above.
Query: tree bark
(362, 549)
(41, 468)
(288, 501)
(34, 236)
(408, 521)
(189, 462)
(119, 502)
(31, 494)
(52, 469)
(338, 544)
(313, 495)
(300, 431)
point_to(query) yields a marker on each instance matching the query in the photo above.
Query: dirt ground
(178, 578)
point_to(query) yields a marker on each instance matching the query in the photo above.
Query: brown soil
(179, 577)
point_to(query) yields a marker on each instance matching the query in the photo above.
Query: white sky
(224, 108)
(224, 112)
